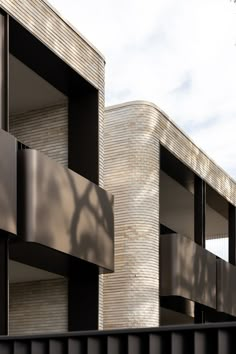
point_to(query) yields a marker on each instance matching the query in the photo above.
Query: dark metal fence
(216, 338)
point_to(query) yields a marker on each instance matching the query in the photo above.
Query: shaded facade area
(56, 223)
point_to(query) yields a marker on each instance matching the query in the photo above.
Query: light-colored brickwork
(46, 24)
(44, 129)
(178, 143)
(133, 132)
(38, 306)
(131, 294)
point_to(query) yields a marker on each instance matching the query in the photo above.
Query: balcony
(190, 272)
(53, 210)
(8, 178)
(226, 287)
(187, 270)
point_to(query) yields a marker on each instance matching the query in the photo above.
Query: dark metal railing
(214, 338)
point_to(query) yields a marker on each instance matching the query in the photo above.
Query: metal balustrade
(214, 338)
(187, 270)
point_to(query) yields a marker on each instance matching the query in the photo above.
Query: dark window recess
(21, 146)
(164, 230)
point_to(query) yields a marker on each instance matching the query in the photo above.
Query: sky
(180, 55)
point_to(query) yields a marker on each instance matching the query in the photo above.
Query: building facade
(61, 269)
(56, 219)
(174, 224)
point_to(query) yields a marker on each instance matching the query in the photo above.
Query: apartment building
(56, 222)
(65, 266)
(174, 224)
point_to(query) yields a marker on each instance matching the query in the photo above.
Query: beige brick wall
(44, 129)
(67, 43)
(131, 294)
(39, 18)
(41, 306)
(38, 307)
(178, 143)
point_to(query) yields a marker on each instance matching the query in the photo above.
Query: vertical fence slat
(206, 342)
(57, 346)
(138, 343)
(160, 343)
(22, 347)
(182, 343)
(97, 345)
(134, 344)
(177, 343)
(200, 343)
(117, 344)
(77, 345)
(39, 346)
(224, 342)
(6, 347)
(155, 344)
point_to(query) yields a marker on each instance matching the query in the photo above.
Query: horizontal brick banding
(131, 294)
(40, 19)
(38, 306)
(45, 130)
(180, 145)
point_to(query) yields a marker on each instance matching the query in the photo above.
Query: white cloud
(179, 54)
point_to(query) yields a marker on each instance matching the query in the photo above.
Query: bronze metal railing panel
(8, 178)
(226, 287)
(64, 211)
(187, 270)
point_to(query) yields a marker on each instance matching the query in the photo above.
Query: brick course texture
(131, 294)
(44, 129)
(41, 306)
(39, 18)
(38, 307)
